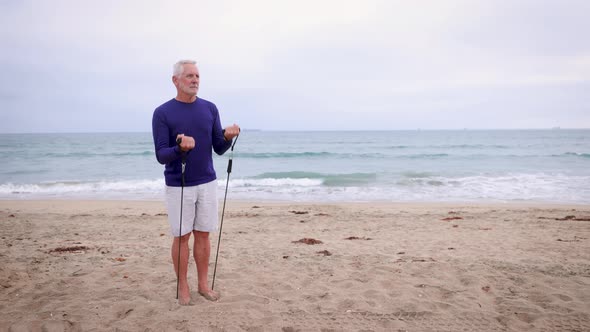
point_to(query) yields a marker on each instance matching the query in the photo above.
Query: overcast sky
(79, 66)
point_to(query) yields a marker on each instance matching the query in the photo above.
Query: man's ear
(175, 80)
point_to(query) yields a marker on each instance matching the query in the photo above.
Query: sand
(105, 266)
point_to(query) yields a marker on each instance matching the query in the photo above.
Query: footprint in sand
(563, 297)
(124, 313)
(250, 298)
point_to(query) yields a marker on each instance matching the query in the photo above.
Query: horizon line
(303, 130)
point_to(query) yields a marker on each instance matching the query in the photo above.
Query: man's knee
(201, 235)
(184, 238)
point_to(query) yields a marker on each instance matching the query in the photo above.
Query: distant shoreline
(307, 130)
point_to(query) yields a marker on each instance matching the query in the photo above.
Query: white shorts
(199, 208)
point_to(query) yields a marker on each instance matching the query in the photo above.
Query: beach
(98, 265)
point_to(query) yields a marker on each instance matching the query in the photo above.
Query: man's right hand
(187, 143)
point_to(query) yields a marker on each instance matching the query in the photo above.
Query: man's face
(188, 81)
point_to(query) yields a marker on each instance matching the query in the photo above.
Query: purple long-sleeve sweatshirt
(200, 120)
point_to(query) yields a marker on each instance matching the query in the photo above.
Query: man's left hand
(231, 132)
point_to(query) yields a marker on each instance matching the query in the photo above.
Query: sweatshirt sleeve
(220, 145)
(164, 152)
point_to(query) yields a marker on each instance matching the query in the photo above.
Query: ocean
(540, 166)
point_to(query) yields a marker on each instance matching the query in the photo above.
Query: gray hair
(179, 66)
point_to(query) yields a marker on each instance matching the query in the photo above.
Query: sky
(104, 66)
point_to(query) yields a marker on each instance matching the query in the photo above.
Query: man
(195, 123)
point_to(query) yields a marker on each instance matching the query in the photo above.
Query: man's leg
(202, 252)
(184, 295)
(173, 204)
(206, 222)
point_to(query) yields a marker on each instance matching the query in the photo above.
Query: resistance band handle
(229, 166)
(178, 141)
(183, 163)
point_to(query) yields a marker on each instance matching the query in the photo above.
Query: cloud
(298, 64)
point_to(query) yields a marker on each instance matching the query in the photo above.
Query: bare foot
(185, 300)
(209, 295)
